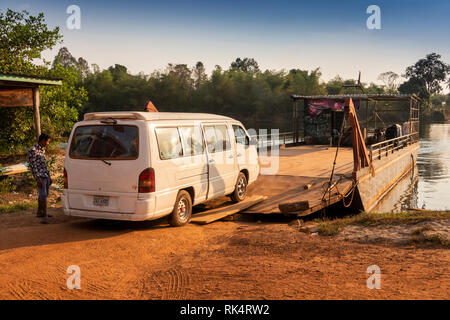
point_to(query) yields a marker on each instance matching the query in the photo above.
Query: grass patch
(420, 230)
(437, 239)
(421, 235)
(328, 229)
(6, 208)
(332, 227)
(7, 184)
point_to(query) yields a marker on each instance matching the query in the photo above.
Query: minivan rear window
(105, 142)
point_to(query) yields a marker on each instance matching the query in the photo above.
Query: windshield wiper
(107, 162)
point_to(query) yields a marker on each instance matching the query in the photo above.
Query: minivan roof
(153, 116)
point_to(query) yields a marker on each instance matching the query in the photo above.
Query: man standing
(39, 169)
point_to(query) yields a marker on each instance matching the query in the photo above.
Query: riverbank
(417, 227)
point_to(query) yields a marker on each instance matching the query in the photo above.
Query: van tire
(240, 190)
(182, 210)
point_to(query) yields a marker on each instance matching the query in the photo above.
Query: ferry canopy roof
(362, 97)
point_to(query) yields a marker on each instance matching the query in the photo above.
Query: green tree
(416, 86)
(66, 60)
(304, 82)
(245, 65)
(118, 71)
(389, 80)
(22, 39)
(438, 100)
(431, 70)
(199, 74)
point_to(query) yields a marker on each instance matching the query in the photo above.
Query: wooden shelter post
(37, 117)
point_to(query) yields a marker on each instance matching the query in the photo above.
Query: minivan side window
(240, 135)
(217, 139)
(169, 143)
(192, 140)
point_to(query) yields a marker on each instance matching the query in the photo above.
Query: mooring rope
(330, 185)
(334, 162)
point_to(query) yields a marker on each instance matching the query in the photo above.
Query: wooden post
(366, 124)
(374, 116)
(294, 116)
(37, 117)
(361, 157)
(411, 118)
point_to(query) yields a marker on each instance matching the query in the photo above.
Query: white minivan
(146, 165)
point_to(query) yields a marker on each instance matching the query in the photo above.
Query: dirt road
(223, 260)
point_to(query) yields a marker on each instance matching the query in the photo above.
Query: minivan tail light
(147, 181)
(66, 181)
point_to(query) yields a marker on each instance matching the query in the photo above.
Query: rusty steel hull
(388, 172)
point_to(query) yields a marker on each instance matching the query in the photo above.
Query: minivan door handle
(107, 162)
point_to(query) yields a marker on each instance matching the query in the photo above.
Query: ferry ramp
(303, 175)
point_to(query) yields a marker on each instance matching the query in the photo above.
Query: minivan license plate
(101, 201)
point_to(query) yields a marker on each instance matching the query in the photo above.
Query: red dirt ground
(223, 260)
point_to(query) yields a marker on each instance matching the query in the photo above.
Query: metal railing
(384, 148)
(273, 139)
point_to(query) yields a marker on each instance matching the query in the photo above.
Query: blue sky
(332, 35)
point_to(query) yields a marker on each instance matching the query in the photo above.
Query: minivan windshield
(105, 142)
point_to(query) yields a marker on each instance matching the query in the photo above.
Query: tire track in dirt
(170, 284)
(29, 289)
(98, 290)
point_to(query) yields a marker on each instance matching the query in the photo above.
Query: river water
(428, 187)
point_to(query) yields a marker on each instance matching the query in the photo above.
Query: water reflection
(403, 196)
(430, 189)
(434, 167)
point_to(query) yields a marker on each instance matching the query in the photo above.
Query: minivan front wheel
(182, 209)
(240, 190)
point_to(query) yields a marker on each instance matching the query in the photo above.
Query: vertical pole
(37, 117)
(296, 121)
(297, 124)
(293, 118)
(375, 116)
(418, 117)
(366, 124)
(297, 118)
(411, 115)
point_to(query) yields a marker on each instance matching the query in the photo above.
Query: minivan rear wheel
(182, 209)
(240, 190)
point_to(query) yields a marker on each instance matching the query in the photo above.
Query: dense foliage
(23, 38)
(259, 98)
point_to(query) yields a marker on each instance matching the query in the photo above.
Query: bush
(7, 184)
